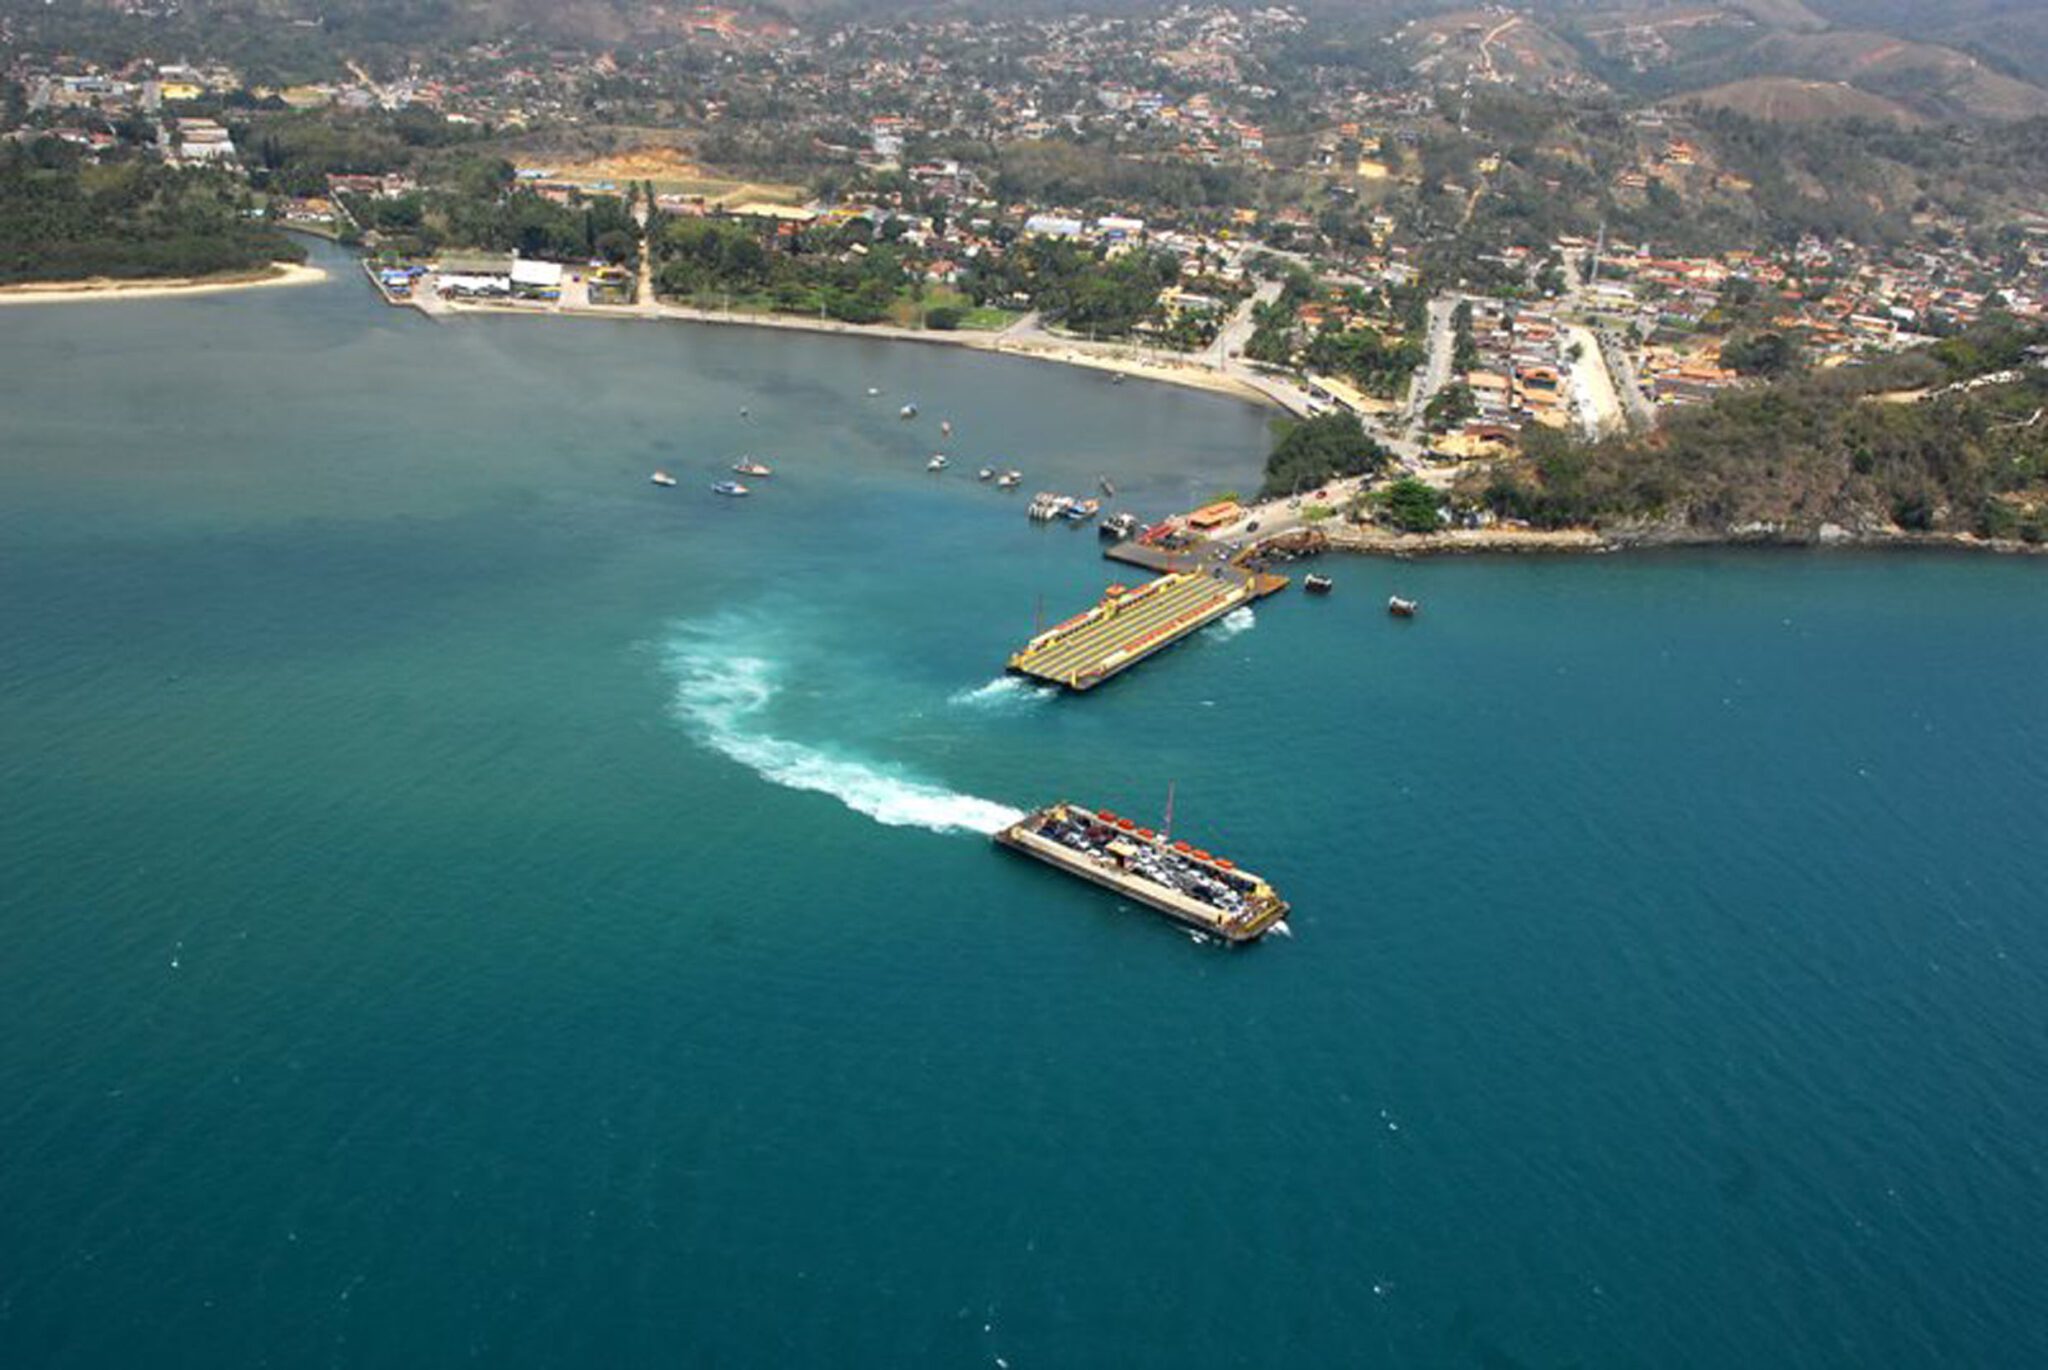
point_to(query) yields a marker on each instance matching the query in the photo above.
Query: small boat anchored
(985, 473)
(908, 411)
(662, 478)
(747, 466)
(1008, 480)
(945, 428)
(1402, 608)
(1121, 527)
(730, 487)
(937, 463)
(1107, 488)
(1317, 585)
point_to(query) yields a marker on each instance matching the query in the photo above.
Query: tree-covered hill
(1902, 445)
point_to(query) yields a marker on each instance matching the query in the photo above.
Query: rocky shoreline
(1371, 541)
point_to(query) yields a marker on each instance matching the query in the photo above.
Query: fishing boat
(1193, 887)
(985, 473)
(730, 487)
(937, 463)
(1317, 585)
(662, 478)
(747, 466)
(1008, 480)
(908, 411)
(1402, 608)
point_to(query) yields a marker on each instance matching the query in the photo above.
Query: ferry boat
(1402, 608)
(1317, 585)
(662, 478)
(937, 463)
(730, 487)
(1189, 885)
(747, 466)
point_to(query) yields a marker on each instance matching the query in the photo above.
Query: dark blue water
(462, 903)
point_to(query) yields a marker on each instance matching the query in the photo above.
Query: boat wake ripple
(719, 697)
(1005, 692)
(1233, 624)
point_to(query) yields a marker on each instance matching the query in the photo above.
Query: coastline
(1361, 540)
(108, 288)
(1057, 351)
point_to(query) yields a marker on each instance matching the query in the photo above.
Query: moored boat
(730, 487)
(1189, 885)
(1118, 526)
(662, 478)
(1080, 510)
(1402, 608)
(1317, 585)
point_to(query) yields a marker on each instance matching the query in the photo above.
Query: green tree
(1411, 505)
(1316, 450)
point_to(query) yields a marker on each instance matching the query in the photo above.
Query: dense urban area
(1712, 272)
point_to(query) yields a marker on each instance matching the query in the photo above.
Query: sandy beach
(1064, 352)
(103, 288)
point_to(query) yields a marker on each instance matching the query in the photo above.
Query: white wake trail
(1002, 693)
(719, 697)
(1233, 624)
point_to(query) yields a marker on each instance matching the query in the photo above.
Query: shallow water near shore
(464, 903)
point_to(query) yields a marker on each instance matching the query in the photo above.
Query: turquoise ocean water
(462, 904)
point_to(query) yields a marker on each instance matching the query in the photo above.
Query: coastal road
(1237, 330)
(1593, 393)
(1620, 360)
(1436, 365)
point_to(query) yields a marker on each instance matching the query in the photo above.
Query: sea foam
(1232, 624)
(1005, 692)
(720, 696)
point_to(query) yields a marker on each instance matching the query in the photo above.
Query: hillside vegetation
(60, 221)
(1842, 448)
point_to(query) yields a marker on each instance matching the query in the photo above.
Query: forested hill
(60, 221)
(1950, 439)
